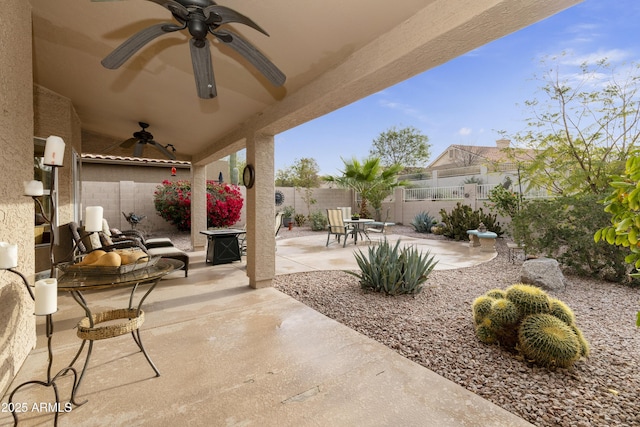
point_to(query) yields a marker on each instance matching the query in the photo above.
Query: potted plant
(355, 217)
(287, 215)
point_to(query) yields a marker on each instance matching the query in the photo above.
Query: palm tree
(369, 179)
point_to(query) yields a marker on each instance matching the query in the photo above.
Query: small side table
(514, 251)
(222, 245)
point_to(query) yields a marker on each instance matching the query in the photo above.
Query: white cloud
(611, 55)
(464, 131)
(405, 109)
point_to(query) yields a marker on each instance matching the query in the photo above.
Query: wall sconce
(173, 171)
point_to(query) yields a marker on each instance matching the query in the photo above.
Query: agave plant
(393, 270)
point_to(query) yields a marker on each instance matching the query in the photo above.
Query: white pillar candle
(46, 297)
(54, 151)
(93, 219)
(8, 255)
(33, 188)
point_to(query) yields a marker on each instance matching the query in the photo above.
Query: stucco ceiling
(326, 48)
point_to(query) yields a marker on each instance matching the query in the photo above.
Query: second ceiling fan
(142, 138)
(200, 18)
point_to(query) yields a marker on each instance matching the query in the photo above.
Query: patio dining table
(359, 225)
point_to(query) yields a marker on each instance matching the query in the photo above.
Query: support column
(261, 239)
(198, 206)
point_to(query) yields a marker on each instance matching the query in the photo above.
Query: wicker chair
(337, 228)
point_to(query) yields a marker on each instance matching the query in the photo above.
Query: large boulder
(544, 273)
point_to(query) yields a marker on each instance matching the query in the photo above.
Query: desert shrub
(300, 219)
(423, 222)
(503, 201)
(392, 270)
(463, 218)
(172, 201)
(563, 228)
(524, 318)
(318, 221)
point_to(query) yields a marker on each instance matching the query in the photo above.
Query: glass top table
(131, 318)
(79, 280)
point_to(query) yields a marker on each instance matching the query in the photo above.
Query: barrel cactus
(548, 341)
(584, 344)
(529, 299)
(524, 318)
(496, 293)
(504, 312)
(485, 332)
(562, 311)
(481, 308)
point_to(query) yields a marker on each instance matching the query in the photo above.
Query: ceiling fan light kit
(200, 18)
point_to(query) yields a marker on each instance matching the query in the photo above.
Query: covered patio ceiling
(333, 53)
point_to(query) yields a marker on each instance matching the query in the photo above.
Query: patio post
(260, 209)
(198, 205)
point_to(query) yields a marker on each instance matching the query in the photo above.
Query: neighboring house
(483, 164)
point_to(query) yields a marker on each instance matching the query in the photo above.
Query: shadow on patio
(230, 355)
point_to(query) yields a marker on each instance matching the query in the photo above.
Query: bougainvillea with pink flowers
(172, 201)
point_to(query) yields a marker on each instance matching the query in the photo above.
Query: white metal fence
(435, 193)
(457, 192)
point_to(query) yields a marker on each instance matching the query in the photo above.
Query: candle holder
(51, 380)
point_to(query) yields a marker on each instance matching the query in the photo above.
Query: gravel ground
(435, 329)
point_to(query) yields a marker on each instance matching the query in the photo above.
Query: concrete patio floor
(230, 355)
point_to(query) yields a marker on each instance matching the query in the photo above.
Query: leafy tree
(284, 177)
(303, 174)
(623, 204)
(373, 182)
(582, 130)
(406, 147)
(305, 177)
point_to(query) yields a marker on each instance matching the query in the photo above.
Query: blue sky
(470, 98)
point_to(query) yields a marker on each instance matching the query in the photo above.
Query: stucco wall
(17, 323)
(29, 111)
(325, 198)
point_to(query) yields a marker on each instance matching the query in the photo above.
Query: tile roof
(120, 159)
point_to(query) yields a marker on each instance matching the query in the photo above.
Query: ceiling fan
(141, 138)
(200, 17)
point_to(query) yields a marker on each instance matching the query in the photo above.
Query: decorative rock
(544, 273)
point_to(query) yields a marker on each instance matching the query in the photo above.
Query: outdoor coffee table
(77, 282)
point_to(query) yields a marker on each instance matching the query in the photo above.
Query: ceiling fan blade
(137, 151)
(203, 69)
(163, 150)
(134, 43)
(253, 55)
(227, 15)
(129, 143)
(175, 8)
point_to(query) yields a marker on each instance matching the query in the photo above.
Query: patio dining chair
(378, 227)
(337, 228)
